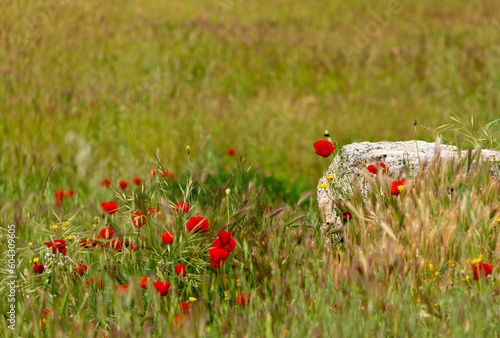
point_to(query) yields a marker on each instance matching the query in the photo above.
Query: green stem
(227, 202)
(416, 144)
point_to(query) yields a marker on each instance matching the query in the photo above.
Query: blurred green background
(99, 87)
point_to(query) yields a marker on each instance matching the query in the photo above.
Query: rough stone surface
(348, 163)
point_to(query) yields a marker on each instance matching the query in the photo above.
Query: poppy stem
(416, 144)
(228, 191)
(228, 213)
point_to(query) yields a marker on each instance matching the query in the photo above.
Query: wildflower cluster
(118, 240)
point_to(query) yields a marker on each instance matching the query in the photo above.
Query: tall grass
(102, 86)
(403, 267)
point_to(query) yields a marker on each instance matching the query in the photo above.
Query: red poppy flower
(39, 268)
(185, 306)
(180, 208)
(123, 185)
(59, 195)
(218, 256)
(71, 193)
(92, 281)
(152, 211)
(155, 212)
(324, 148)
(122, 288)
(109, 207)
(346, 216)
(117, 244)
(375, 168)
(162, 287)
(45, 313)
(180, 270)
(57, 245)
(138, 219)
(167, 173)
(240, 299)
(137, 180)
(167, 238)
(198, 224)
(89, 243)
(107, 233)
(105, 183)
(178, 321)
(152, 172)
(224, 241)
(231, 152)
(396, 187)
(80, 269)
(481, 269)
(143, 282)
(132, 245)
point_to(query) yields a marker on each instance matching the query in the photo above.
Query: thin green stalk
(416, 143)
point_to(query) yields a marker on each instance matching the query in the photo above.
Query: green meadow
(93, 90)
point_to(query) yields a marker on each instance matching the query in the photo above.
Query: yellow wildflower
(192, 299)
(64, 228)
(36, 259)
(431, 266)
(437, 273)
(331, 177)
(436, 304)
(465, 279)
(94, 225)
(285, 331)
(226, 293)
(451, 263)
(65, 223)
(324, 185)
(30, 243)
(401, 187)
(477, 260)
(54, 226)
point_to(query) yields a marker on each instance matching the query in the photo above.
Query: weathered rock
(348, 163)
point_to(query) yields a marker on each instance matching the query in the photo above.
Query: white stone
(348, 163)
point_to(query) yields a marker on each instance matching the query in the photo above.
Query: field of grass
(92, 90)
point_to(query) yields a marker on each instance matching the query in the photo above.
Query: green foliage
(96, 89)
